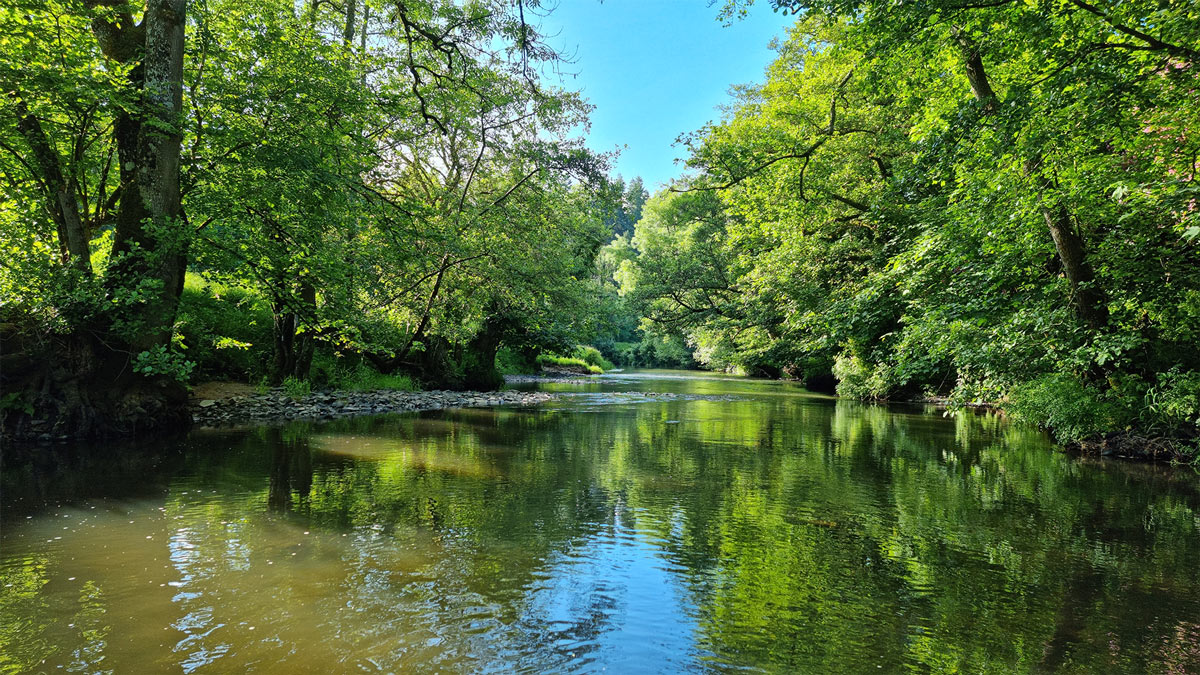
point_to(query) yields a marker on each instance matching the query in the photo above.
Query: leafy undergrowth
(551, 362)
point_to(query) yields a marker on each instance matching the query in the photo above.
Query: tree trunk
(348, 32)
(294, 343)
(1087, 300)
(149, 242)
(479, 358)
(86, 385)
(60, 190)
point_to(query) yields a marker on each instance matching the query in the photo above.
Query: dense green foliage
(986, 203)
(367, 182)
(993, 203)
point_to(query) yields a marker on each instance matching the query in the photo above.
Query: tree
(972, 201)
(121, 323)
(346, 163)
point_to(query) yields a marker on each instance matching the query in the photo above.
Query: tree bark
(60, 190)
(294, 343)
(87, 386)
(150, 243)
(1087, 300)
(977, 77)
(348, 31)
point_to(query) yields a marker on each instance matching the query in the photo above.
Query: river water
(646, 522)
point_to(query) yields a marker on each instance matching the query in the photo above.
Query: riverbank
(275, 406)
(550, 376)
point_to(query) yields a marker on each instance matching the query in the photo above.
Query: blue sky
(655, 69)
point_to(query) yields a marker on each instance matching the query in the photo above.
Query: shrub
(568, 363)
(512, 362)
(296, 389)
(1175, 401)
(857, 379)
(365, 378)
(592, 357)
(328, 371)
(226, 331)
(1068, 408)
(161, 360)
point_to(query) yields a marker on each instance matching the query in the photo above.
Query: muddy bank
(276, 406)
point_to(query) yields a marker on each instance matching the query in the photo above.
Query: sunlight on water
(643, 523)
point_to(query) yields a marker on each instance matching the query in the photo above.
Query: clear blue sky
(655, 69)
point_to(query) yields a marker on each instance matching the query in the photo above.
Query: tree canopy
(991, 203)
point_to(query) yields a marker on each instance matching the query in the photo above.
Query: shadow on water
(644, 522)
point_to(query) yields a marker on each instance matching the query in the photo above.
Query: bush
(351, 375)
(857, 379)
(1174, 402)
(568, 363)
(512, 362)
(365, 378)
(1068, 408)
(296, 389)
(226, 331)
(592, 356)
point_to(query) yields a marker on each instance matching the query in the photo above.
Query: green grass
(592, 357)
(568, 362)
(296, 389)
(330, 372)
(226, 330)
(365, 379)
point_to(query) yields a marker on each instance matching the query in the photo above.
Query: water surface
(647, 522)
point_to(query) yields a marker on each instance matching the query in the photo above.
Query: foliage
(1175, 400)
(512, 362)
(568, 362)
(296, 389)
(331, 373)
(913, 203)
(226, 330)
(1071, 408)
(159, 360)
(591, 356)
(396, 184)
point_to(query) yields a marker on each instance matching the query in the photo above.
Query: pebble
(336, 404)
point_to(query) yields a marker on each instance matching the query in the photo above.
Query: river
(645, 522)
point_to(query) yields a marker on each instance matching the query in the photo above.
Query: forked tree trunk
(150, 242)
(293, 341)
(60, 189)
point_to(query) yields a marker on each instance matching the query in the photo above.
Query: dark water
(728, 525)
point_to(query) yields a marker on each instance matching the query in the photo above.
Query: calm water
(653, 522)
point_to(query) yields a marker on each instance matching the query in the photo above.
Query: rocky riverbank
(550, 376)
(276, 406)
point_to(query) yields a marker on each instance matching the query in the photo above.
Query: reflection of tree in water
(804, 535)
(33, 477)
(291, 476)
(848, 536)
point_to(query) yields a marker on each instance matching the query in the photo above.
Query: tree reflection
(786, 533)
(291, 476)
